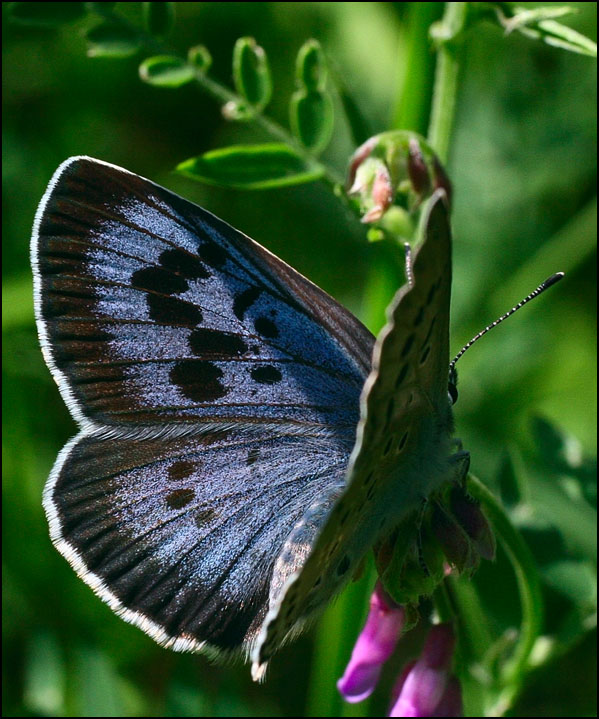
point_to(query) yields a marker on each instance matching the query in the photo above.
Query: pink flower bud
(373, 647)
(417, 168)
(426, 686)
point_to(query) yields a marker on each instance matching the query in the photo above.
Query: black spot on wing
(343, 566)
(266, 327)
(253, 455)
(212, 254)
(245, 300)
(431, 293)
(198, 381)
(401, 376)
(214, 343)
(173, 311)
(179, 498)
(429, 333)
(408, 345)
(183, 263)
(203, 516)
(180, 470)
(266, 375)
(157, 279)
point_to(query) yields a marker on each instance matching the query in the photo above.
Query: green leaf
(159, 17)
(311, 118)
(166, 71)
(48, 14)
(200, 57)
(540, 24)
(520, 17)
(251, 167)
(251, 72)
(310, 66)
(558, 35)
(110, 40)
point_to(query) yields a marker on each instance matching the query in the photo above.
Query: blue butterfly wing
(218, 394)
(153, 311)
(180, 535)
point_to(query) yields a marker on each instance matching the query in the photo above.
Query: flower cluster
(426, 687)
(396, 167)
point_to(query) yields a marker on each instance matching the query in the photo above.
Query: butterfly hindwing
(153, 311)
(180, 535)
(402, 446)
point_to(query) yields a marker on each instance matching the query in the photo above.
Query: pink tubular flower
(373, 647)
(425, 688)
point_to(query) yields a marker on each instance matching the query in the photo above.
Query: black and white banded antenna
(535, 293)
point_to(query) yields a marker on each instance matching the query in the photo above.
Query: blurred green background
(523, 164)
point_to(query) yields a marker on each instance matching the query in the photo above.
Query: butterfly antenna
(535, 293)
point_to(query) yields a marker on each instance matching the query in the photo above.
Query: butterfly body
(244, 440)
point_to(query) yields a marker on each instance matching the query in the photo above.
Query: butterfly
(244, 439)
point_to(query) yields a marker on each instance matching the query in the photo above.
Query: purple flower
(373, 647)
(425, 688)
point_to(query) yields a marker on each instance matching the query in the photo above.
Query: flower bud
(426, 686)
(453, 539)
(471, 518)
(417, 168)
(373, 647)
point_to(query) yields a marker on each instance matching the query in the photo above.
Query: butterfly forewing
(402, 448)
(218, 393)
(153, 311)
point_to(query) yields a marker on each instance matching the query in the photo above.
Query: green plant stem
(416, 68)
(446, 77)
(529, 588)
(443, 604)
(223, 94)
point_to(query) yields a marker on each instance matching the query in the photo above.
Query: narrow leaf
(110, 40)
(251, 167)
(166, 71)
(251, 72)
(540, 24)
(199, 56)
(310, 66)
(558, 35)
(311, 118)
